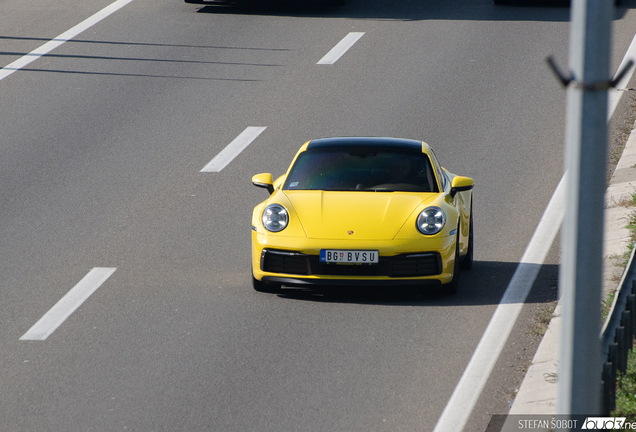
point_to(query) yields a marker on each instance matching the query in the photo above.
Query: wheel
(467, 260)
(261, 286)
(452, 287)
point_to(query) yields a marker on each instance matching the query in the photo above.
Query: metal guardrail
(617, 335)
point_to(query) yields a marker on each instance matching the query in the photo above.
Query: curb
(538, 391)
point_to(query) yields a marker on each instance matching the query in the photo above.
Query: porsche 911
(362, 211)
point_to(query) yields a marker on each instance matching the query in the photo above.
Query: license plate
(348, 256)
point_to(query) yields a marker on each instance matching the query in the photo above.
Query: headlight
(275, 218)
(431, 220)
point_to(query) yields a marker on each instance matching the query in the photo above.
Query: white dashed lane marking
(233, 149)
(341, 47)
(68, 304)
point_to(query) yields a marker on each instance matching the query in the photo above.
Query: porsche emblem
(350, 232)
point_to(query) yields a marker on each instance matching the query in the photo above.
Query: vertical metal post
(580, 277)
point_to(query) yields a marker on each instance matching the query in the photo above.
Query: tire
(452, 287)
(467, 260)
(261, 286)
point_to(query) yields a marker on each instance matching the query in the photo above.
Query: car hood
(354, 215)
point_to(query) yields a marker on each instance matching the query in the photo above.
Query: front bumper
(295, 261)
(307, 282)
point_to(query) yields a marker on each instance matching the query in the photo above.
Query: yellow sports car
(362, 211)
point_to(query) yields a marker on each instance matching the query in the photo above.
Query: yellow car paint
(363, 220)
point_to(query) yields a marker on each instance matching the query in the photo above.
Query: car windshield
(361, 169)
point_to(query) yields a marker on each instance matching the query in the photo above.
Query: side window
(438, 170)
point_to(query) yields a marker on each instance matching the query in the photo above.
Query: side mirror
(460, 184)
(264, 180)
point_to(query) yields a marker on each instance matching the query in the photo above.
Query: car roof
(370, 142)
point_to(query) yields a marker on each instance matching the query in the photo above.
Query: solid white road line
(233, 149)
(68, 304)
(473, 380)
(64, 37)
(614, 95)
(341, 47)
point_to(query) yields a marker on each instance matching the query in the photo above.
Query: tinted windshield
(370, 169)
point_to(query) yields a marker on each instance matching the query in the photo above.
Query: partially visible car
(543, 2)
(266, 2)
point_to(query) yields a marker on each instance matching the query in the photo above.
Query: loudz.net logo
(602, 423)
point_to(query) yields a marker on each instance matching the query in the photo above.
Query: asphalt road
(102, 143)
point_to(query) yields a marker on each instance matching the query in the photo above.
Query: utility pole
(580, 278)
